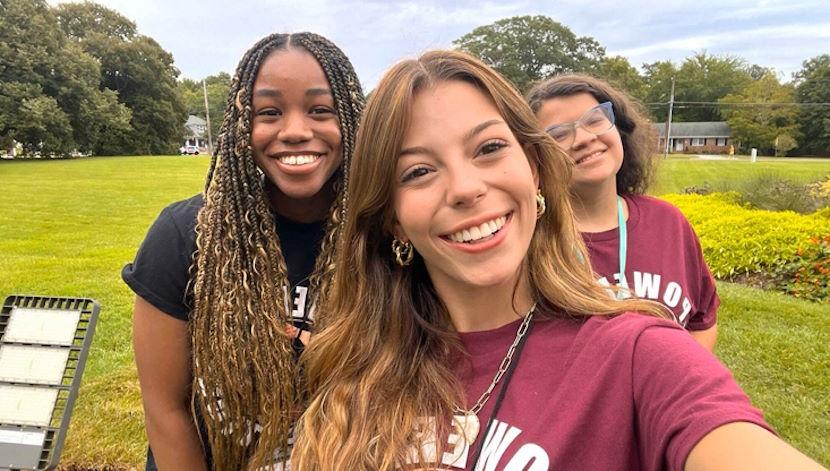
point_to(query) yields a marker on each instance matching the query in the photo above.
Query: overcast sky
(209, 36)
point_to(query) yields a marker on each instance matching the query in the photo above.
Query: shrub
(772, 192)
(810, 272)
(738, 240)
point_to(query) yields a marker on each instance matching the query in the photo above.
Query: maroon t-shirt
(626, 393)
(664, 261)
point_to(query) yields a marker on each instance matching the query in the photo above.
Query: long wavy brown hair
(385, 359)
(639, 139)
(245, 375)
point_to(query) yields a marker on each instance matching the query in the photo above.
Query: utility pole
(668, 121)
(207, 116)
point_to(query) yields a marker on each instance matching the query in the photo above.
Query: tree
(813, 87)
(766, 127)
(700, 79)
(658, 77)
(50, 99)
(620, 73)
(526, 49)
(707, 78)
(137, 69)
(218, 87)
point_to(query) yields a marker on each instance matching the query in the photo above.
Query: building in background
(196, 133)
(712, 137)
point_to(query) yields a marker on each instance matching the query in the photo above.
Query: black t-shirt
(161, 269)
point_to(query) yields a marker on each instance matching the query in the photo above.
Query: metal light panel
(34, 365)
(44, 344)
(42, 326)
(27, 405)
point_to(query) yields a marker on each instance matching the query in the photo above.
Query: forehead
(448, 108)
(290, 68)
(565, 109)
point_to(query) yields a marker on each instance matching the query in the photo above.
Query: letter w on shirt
(646, 285)
(499, 437)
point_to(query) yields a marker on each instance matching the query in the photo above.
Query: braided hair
(245, 376)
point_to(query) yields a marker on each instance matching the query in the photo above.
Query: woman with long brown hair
(640, 243)
(465, 331)
(227, 282)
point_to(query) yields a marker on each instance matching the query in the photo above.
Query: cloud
(209, 36)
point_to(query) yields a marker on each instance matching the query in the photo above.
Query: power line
(691, 104)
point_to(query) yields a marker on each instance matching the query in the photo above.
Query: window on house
(698, 141)
(721, 141)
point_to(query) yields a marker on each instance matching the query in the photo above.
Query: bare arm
(706, 337)
(742, 446)
(162, 354)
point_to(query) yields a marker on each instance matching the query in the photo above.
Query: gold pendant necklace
(466, 421)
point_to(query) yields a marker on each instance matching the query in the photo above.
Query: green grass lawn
(67, 228)
(681, 171)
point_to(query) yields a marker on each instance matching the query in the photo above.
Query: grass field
(681, 171)
(67, 228)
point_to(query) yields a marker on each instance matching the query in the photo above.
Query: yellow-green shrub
(738, 240)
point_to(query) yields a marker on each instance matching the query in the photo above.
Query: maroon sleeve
(708, 300)
(681, 393)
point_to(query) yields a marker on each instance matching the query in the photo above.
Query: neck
(311, 209)
(474, 309)
(595, 208)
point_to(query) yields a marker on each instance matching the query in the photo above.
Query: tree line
(762, 110)
(78, 77)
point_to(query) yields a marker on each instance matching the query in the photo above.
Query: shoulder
(654, 206)
(627, 324)
(184, 212)
(610, 333)
(178, 218)
(657, 214)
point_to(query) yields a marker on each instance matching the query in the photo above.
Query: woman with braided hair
(227, 281)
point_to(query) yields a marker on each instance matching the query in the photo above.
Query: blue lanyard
(623, 235)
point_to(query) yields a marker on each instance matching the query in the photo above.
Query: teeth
(478, 232)
(595, 154)
(298, 159)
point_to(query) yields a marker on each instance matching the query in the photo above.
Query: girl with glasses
(642, 245)
(227, 282)
(464, 332)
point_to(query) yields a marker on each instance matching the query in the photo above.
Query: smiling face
(464, 189)
(597, 158)
(295, 132)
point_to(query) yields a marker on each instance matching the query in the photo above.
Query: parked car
(189, 150)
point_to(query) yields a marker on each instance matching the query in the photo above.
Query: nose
(295, 128)
(465, 187)
(582, 137)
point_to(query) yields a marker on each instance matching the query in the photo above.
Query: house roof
(696, 129)
(195, 120)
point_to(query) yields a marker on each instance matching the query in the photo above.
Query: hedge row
(738, 240)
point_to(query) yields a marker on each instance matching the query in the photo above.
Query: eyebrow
(481, 127)
(268, 92)
(317, 91)
(468, 136)
(274, 93)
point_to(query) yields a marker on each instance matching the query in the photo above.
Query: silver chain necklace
(468, 420)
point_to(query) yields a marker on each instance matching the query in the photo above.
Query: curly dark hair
(242, 357)
(639, 139)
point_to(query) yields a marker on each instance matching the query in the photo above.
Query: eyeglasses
(598, 120)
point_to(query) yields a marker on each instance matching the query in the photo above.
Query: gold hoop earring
(540, 204)
(404, 252)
